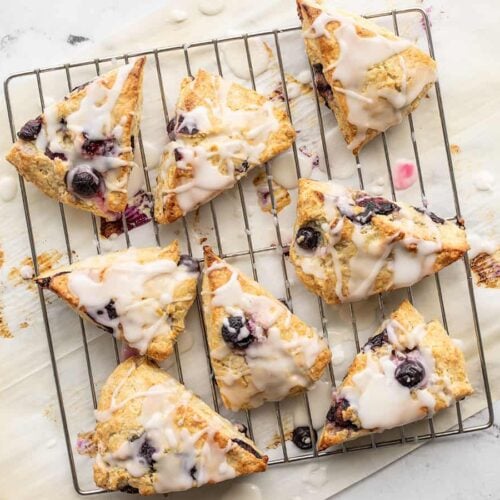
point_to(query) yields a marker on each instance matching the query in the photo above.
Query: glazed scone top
(180, 442)
(408, 370)
(220, 131)
(361, 46)
(89, 137)
(129, 296)
(352, 245)
(263, 336)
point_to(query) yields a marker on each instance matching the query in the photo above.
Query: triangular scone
(349, 245)
(367, 75)
(155, 436)
(408, 370)
(259, 350)
(141, 295)
(221, 130)
(80, 151)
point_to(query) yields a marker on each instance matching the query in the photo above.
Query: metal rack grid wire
(251, 251)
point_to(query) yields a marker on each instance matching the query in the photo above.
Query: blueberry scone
(140, 295)
(220, 131)
(407, 371)
(259, 350)
(154, 436)
(80, 151)
(349, 245)
(368, 76)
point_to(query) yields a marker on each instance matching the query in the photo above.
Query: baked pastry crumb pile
(407, 371)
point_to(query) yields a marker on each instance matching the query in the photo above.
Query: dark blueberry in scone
(84, 181)
(236, 331)
(91, 148)
(132, 142)
(192, 472)
(186, 128)
(243, 167)
(30, 130)
(410, 373)
(171, 129)
(377, 340)
(188, 261)
(373, 206)
(301, 437)
(322, 85)
(308, 238)
(128, 489)
(52, 155)
(146, 452)
(246, 446)
(334, 414)
(177, 154)
(111, 310)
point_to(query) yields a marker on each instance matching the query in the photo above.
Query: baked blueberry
(373, 206)
(410, 373)
(52, 155)
(308, 238)
(91, 148)
(186, 127)
(146, 452)
(191, 264)
(111, 310)
(30, 130)
(246, 446)
(235, 331)
(171, 129)
(243, 167)
(128, 489)
(377, 340)
(177, 154)
(301, 437)
(84, 181)
(322, 85)
(335, 416)
(192, 472)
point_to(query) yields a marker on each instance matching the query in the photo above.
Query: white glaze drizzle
(410, 259)
(182, 459)
(380, 401)
(231, 137)
(369, 107)
(274, 364)
(140, 293)
(93, 118)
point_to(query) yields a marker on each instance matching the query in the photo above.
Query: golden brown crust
(452, 383)
(233, 365)
(50, 175)
(161, 346)
(203, 92)
(311, 209)
(138, 375)
(388, 74)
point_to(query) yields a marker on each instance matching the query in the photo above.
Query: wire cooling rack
(249, 248)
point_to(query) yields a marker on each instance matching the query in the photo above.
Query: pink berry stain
(404, 174)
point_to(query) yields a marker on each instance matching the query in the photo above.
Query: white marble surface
(35, 34)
